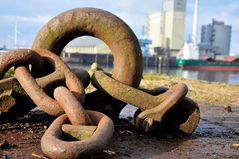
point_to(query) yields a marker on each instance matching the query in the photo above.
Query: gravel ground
(217, 135)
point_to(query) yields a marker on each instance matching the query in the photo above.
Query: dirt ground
(217, 135)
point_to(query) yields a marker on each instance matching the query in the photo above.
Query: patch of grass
(200, 91)
(10, 72)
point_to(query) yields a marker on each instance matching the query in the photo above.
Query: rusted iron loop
(154, 107)
(53, 145)
(21, 57)
(38, 95)
(16, 102)
(101, 24)
(71, 80)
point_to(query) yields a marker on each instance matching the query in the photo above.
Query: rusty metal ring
(38, 95)
(101, 24)
(53, 145)
(21, 57)
(72, 81)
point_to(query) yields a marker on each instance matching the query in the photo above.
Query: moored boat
(210, 64)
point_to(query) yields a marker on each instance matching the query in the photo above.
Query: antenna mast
(195, 21)
(15, 35)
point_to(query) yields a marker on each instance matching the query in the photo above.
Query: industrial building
(216, 38)
(166, 28)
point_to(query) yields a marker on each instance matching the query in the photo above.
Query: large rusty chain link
(66, 101)
(43, 77)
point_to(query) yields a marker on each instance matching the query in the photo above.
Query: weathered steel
(12, 91)
(21, 56)
(10, 110)
(102, 102)
(38, 95)
(71, 80)
(55, 78)
(54, 147)
(6, 103)
(79, 132)
(71, 106)
(101, 24)
(184, 117)
(134, 96)
(154, 107)
(82, 75)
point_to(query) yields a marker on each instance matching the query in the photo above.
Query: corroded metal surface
(71, 80)
(71, 106)
(38, 95)
(154, 108)
(102, 102)
(21, 56)
(83, 76)
(88, 132)
(53, 145)
(101, 24)
(184, 117)
(12, 91)
(134, 96)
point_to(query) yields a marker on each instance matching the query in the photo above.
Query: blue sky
(31, 15)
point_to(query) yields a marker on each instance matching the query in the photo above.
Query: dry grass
(200, 91)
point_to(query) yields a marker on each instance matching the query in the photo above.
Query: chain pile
(43, 79)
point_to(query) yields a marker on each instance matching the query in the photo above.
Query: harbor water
(211, 76)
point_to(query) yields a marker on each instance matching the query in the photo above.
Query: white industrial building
(166, 28)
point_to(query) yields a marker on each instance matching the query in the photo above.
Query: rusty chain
(59, 92)
(66, 101)
(154, 108)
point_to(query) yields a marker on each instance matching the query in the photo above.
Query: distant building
(88, 49)
(166, 28)
(216, 38)
(87, 45)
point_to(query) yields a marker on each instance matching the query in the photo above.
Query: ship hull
(208, 65)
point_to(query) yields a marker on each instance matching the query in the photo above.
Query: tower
(166, 28)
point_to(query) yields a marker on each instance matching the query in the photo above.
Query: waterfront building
(166, 28)
(87, 45)
(216, 38)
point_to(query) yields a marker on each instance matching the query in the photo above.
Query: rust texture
(101, 24)
(14, 97)
(53, 145)
(184, 117)
(76, 132)
(71, 106)
(154, 108)
(12, 91)
(102, 102)
(38, 95)
(21, 56)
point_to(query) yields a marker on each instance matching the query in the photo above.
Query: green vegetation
(10, 72)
